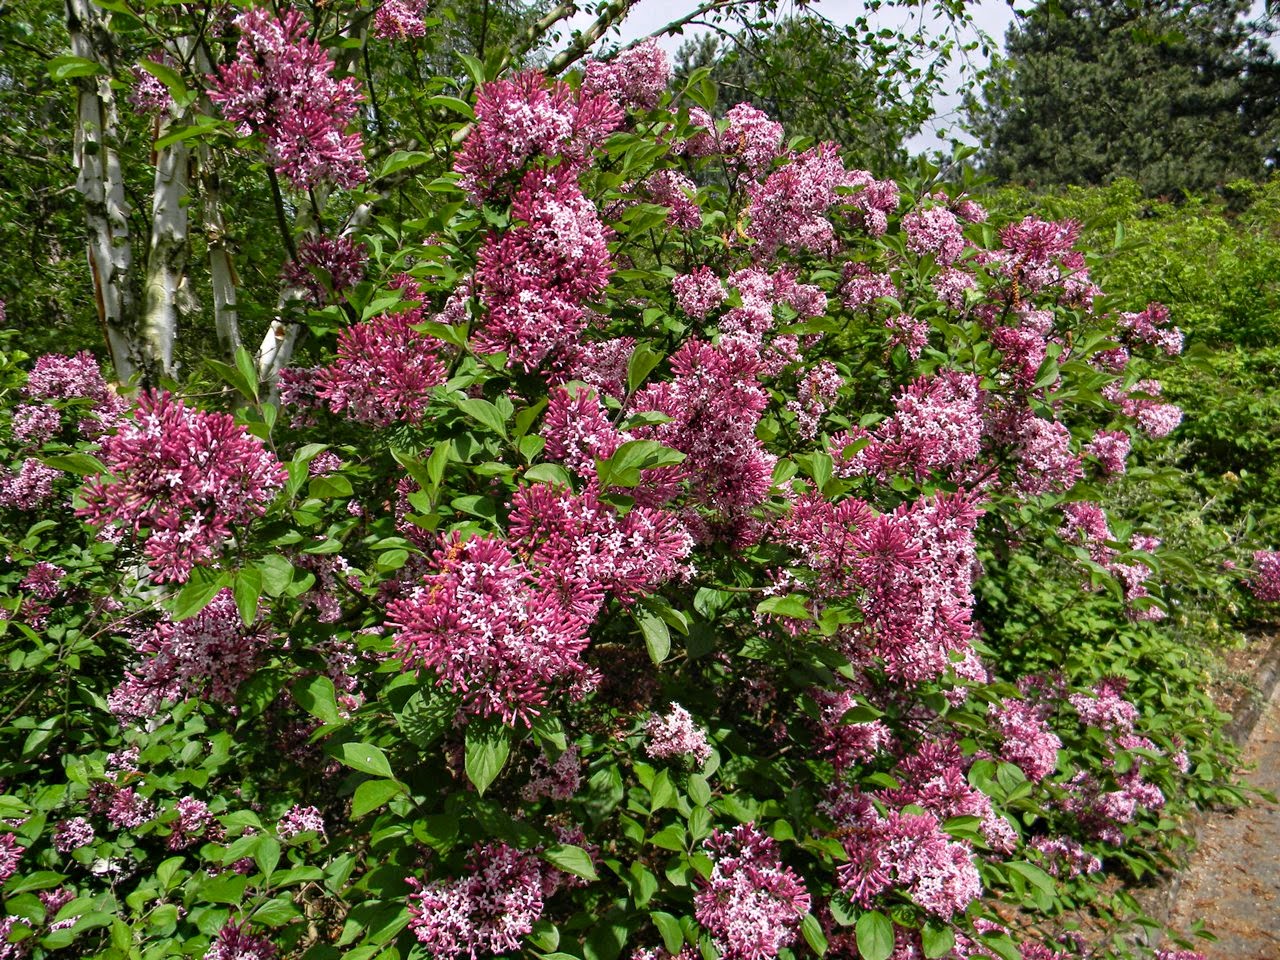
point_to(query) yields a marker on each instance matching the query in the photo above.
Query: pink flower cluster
(486, 911)
(751, 904)
(676, 735)
(326, 266)
(299, 819)
(43, 580)
(72, 835)
(281, 86)
(1264, 580)
(400, 19)
(934, 231)
(10, 853)
(905, 850)
(937, 425)
(1151, 326)
(384, 371)
(1026, 739)
(55, 377)
(185, 477)
(208, 656)
(636, 79)
(558, 780)
(235, 942)
(526, 117)
(699, 292)
(149, 94)
(535, 278)
(789, 209)
(1140, 402)
(482, 622)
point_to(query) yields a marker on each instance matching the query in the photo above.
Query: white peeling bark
(100, 182)
(166, 255)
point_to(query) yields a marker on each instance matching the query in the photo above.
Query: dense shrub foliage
(642, 564)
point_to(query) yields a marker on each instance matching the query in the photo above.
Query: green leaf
(623, 468)
(938, 939)
(247, 589)
(460, 107)
(364, 757)
(485, 413)
(199, 127)
(657, 638)
(195, 596)
(487, 746)
(548, 473)
(813, 934)
(267, 856)
(330, 487)
(248, 369)
(69, 67)
(425, 717)
(874, 933)
(643, 359)
(571, 859)
(81, 464)
(669, 928)
(277, 574)
(1037, 877)
(165, 74)
(318, 696)
(372, 794)
(789, 606)
(402, 160)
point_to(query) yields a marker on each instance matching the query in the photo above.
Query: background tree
(1177, 95)
(850, 84)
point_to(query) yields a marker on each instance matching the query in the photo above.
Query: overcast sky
(991, 16)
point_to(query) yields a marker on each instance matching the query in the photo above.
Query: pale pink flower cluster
(934, 231)
(149, 94)
(1140, 402)
(874, 201)
(600, 363)
(937, 425)
(908, 332)
(1111, 449)
(1045, 461)
(526, 117)
(635, 79)
(751, 904)
(1064, 857)
(861, 287)
(72, 835)
(1151, 326)
(299, 819)
(281, 86)
(326, 266)
(400, 19)
(934, 777)
(751, 141)
(235, 942)
(1025, 738)
(816, 394)
(35, 423)
(674, 190)
(483, 913)
(951, 285)
(558, 780)
(1106, 708)
(699, 292)
(10, 853)
(909, 851)
(676, 735)
(789, 209)
(183, 480)
(55, 377)
(578, 430)
(1264, 579)
(208, 655)
(487, 628)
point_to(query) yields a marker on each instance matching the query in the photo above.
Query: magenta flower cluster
(183, 481)
(281, 87)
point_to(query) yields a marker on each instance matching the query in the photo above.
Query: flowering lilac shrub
(621, 578)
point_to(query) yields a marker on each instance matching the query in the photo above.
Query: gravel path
(1233, 881)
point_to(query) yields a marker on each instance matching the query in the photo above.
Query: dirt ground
(1233, 880)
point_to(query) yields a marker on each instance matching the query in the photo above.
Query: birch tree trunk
(100, 181)
(166, 255)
